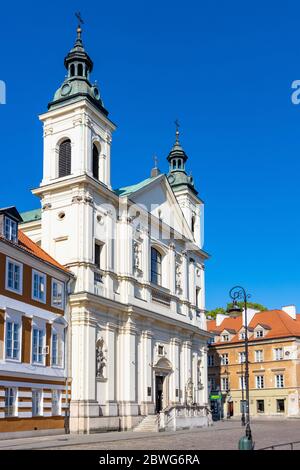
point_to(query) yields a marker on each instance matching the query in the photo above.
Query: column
(127, 370)
(175, 376)
(186, 370)
(83, 404)
(172, 265)
(185, 276)
(111, 408)
(204, 375)
(146, 371)
(192, 282)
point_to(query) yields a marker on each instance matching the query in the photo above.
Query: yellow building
(274, 368)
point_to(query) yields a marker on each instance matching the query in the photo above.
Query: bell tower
(77, 131)
(184, 189)
(76, 166)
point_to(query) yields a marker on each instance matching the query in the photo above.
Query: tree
(256, 306)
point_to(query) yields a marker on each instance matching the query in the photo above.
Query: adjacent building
(274, 369)
(33, 332)
(137, 306)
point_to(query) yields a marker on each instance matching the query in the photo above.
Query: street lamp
(242, 384)
(239, 293)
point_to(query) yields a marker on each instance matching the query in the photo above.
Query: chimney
(219, 318)
(290, 310)
(250, 314)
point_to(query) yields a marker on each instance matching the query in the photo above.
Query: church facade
(138, 336)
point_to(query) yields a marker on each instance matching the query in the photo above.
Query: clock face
(171, 178)
(66, 89)
(96, 93)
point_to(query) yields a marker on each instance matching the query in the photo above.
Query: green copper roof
(127, 190)
(31, 216)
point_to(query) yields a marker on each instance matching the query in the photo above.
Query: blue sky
(224, 69)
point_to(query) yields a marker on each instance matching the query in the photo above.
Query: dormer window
(9, 221)
(259, 333)
(242, 335)
(225, 337)
(10, 229)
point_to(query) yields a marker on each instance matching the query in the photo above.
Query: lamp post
(239, 293)
(242, 384)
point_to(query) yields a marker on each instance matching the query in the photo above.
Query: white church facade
(137, 329)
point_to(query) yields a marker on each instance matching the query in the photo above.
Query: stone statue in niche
(100, 359)
(137, 258)
(178, 278)
(189, 392)
(200, 384)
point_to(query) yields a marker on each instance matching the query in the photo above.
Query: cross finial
(177, 124)
(78, 16)
(79, 30)
(155, 161)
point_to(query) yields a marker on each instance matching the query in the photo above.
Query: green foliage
(213, 313)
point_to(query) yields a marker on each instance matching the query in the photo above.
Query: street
(221, 436)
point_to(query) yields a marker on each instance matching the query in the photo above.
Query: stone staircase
(149, 424)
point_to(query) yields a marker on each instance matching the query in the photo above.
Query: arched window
(64, 158)
(95, 162)
(155, 266)
(72, 70)
(174, 164)
(80, 70)
(193, 224)
(179, 163)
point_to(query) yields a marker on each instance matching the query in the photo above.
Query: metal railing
(290, 445)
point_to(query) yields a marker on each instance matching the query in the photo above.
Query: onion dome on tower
(77, 83)
(177, 175)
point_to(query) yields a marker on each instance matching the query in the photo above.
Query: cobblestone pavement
(222, 435)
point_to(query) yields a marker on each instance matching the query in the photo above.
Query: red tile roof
(28, 245)
(280, 324)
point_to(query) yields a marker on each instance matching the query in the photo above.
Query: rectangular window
(57, 294)
(160, 350)
(54, 349)
(242, 335)
(12, 340)
(10, 229)
(242, 357)
(39, 286)
(210, 360)
(211, 382)
(259, 333)
(224, 383)
(14, 276)
(280, 406)
(37, 403)
(56, 402)
(98, 249)
(224, 359)
(260, 381)
(258, 355)
(225, 337)
(260, 406)
(278, 354)
(198, 297)
(279, 380)
(10, 405)
(37, 346)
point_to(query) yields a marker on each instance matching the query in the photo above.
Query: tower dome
(77, 83)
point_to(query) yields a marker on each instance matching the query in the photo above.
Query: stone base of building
(89, 425)
(27, 427)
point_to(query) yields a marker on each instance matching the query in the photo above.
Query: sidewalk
(48, 442)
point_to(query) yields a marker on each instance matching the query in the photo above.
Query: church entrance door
(159, 387)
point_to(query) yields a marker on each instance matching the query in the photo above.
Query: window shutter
(64, 159)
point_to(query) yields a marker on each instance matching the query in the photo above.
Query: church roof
(31, 216)
(127, 190)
